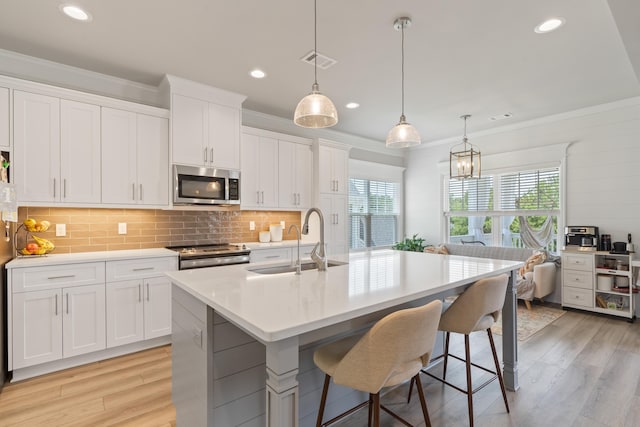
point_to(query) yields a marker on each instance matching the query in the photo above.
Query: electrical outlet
(61, 230)
(282, 224)
(122, 228)
(252, 225)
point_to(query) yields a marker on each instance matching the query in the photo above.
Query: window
(528, 206)
(374, 209)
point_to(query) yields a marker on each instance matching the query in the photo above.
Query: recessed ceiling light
(549, 25)
(501, 117)
(75, 12)
(257, 74)
(352, 105)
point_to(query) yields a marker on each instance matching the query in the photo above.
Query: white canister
(604, 282)
(264, 236)
(276, 232)
(622, 282)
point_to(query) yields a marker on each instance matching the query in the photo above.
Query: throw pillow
(442, 249)
(538, 257)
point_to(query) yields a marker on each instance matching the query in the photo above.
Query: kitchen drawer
(577, 296)
(577, 279)
(578, 262)
(278, 254)
(138, 268)
(56, 276)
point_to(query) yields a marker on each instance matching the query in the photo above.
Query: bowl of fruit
(39, 246)
(34, 226)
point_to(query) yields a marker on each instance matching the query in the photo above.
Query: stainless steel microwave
(205, 186)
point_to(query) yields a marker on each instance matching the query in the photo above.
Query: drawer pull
(61, 277)
(143, 268)
(272, 256)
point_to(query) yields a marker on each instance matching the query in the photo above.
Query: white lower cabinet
(59, 311)
(52, 324)
(125, 315)
(138, 308)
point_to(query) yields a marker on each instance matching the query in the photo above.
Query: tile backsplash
(89, 230)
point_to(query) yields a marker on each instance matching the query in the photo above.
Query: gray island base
(243, 342)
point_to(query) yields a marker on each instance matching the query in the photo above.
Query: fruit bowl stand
(22, 247)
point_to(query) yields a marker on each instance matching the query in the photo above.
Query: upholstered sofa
(543, 275)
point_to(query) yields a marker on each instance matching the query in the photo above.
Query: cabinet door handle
(211, 160)
(147, 292)
(336, 219)
(262, 197)
(54, 188)
(64, 188)
(61, 277)
(56, 304)
(142, 268)
(205, 155)
(133, 191)
(139, 292)
(67, 295)
(140, 192)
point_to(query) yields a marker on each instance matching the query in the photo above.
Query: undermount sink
(277, 269)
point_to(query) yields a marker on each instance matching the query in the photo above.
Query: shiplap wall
(602, 169)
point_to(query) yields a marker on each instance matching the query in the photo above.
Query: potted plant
(414, 244)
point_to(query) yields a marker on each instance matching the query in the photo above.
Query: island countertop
(274, 307)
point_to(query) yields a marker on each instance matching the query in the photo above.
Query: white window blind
(534, 190)
(374, 207)
(467, 195)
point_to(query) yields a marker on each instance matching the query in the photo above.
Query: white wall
(603, 168)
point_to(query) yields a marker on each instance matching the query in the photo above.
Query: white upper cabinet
(295, 166)
(333, 170)
(79, 152)
(4, 118)
(224, 136)
(205, 123)
(190, 122)
(57, 149)
(135, 158)
(36, 155)
(259, 180)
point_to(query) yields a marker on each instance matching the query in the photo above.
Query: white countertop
(279, 306)
(56, 259)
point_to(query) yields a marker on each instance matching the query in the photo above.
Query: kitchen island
(230, 324)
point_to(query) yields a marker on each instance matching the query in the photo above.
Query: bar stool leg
(323, 400)
(423, 402)
(446, 354)
(370, 410)
(498, 370)
(376, 410)
(469, 386)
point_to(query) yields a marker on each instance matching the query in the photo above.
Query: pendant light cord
(315, 41)
(402, 70)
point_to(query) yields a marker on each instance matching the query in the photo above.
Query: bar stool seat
(393, 351)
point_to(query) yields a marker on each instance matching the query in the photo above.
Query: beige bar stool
(474, 310)
(393, 351)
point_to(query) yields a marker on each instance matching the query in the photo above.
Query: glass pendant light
(464, 158)
(403, 134)
(315, 110)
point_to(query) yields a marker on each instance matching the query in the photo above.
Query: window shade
(471, 194)
(535, 190)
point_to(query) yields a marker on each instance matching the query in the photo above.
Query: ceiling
(461, 56)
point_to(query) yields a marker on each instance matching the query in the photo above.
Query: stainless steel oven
(213, 255)
(205, 186)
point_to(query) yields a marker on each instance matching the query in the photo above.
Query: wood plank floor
(583, 370)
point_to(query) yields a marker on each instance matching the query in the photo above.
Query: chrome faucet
(318, 256)
(297, 264)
